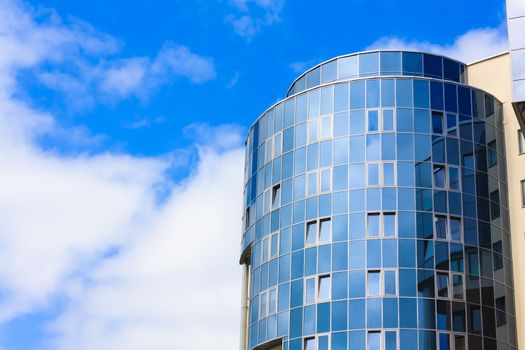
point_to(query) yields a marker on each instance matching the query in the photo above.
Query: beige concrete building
(495, 76)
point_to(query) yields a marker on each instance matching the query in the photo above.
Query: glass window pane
(437, 123)
(374, 282)
(328, 73)
(326, 180)
(311, 232)
(444, 341)
(441, 226)
(442, 285)
(390, 62)
(521, 141)
(453, 178)
(326, 228)
(313, 131)
(373, 120)
(347, 67)
(390, 340)
(390, 282)
(457, 286)
(440, 178)
(324, 288)
(312, 183)
(323, 343)
(374, 341)
(373, 225)
(326, 128)
(455, 229)
(368, 63)
(389, 223)
(310, 290)
(313, 78)
(388, 174)
(373, 174)
(309, 344)
(388, 120)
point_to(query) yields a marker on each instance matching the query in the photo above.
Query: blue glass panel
(405, 174)
(340, 257)
(313, 156)
(357, 226)
(282, 323)
(387, 92)
(405, 147)
(340, 228)
(324, 259)
(372, 93)
(425, 283)
(357, 176)
(298, 237)
(339, 341)
(323, 317)
(357, 284)
(412, 63)
(433, 66)
(450, 70)
(339, 285)
(372, 147)
(427, 340)
(311, 208)
(357, 149)
(310, 261)
(357, 202)
(404, 92)
(451, 98)
(357, 95)
(296, 298)
(388, 149)
(325, 205)
(421, 94)
(406, 224)
(328, 72)
(339, 309)
(373, 199)
(326, 154)
(373, 313)
(390, 62)
(357, 255)
(405, 120)
(340, 152)
(309, 320)
(464, 101)
(297, 264)
(284, 268)
(425, 254)
(368, 63)
(408, 340)
(341, 124)
(356, 310)
(407, 313)
(390, 313)
(436, 95)
(390, 253)
(373, 254)
(422, 121)
(296, 322)
(348, 67)
(407, 253)
(296, 344)
(357, 122)
(357, 339)
(341, 98)
(423, 148)
(426, 313)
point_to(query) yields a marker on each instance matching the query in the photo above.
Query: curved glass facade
(376, 217)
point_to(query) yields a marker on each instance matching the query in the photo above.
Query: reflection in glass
(373, 225)
(441, 226)
(437, 123)
(442, 285)
(310, 290)
(440, 178)
(373, 174)
(324, 288)
(374, 340)
(374, 282)
(373, 120)
(326, 228)
(311, 232)
(389, 224)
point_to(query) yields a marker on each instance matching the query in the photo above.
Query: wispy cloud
(254, 16)
(89, 229)
(474, 45)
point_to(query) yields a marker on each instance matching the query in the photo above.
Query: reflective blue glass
(357, 255)
(341, 97)
(296, 322)
(390, 62)
(309, 320)
(404, 93)
(373, 314)
(357, 95)
(323, 317)
(357, 122)
(412, 63)
(372, 93)
(340, 256)
(433, 66)
(339, 316)
(339, 285)
(387, 93)
(368, 63)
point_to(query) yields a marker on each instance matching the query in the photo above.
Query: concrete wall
(494, 76)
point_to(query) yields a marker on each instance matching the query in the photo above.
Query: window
(381, 225)
(459, 342)
(322, 342)
(382, 173)
(276, 196)
(494, 204)
(318, 231)
(272, 301)
(310, 290)
(324, 288)
(442, 285)
(312, 183)
(440, 177)
(379, 340)
(455, 229)
(373, 174)
(437, 123)
(309, 344)
(444, 341)
(374, 340)
(388, 174)
(326, 128)
(373, 120)
(457, 286)
(381, 282)
(440, 226)
(388, 120)
(523, 193)
(326, 180)
(452, 124)
(453, 175)
(492, 154)
(277, 145)
(313, 132)
(521, 137)
(263, 302)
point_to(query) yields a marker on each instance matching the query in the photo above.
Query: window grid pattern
(447, 259)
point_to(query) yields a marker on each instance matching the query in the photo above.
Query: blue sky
(121, 131)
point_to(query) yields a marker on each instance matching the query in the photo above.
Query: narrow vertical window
(453, 175)
(326, 128)
(373, 174)
(272, 301)
(442, 285)
(312, 183)
(440, 178)
(523, 193)
(440, 223)
(264, 305)
(373, 120)
(277, 145)
(492, 155)
(389, 224)
(326, 180)
(457, 286)
(388, 174)
(310, 290)
(388, 120)
(374, 340)
(322, 343)
(390, 282)
(455, 229)
(313, 131)
(276, 196)
(459, 342)
(373, 225)
(444, 341)
(437, 123)
(374, 282)
(309, 344)
(311, 232)
(521, 137)
(390, 340)
(325, 230)
(494, 204)
(247, 219)
(324, 288)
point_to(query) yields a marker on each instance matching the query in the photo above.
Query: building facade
(377, 211)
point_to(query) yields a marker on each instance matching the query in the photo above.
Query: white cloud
(256, 14)
(137, 261)
(82, 62)
(474, 45)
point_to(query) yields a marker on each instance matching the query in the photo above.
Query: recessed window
(440, 177)
(373, 225)
(440, 223)
(374, 282)
(523, 193)
(309, 344)
(276, 196)
(459, 342)
(442, 285)
(494, 204)
(324, 288)
(325, 230)
(521, 141)
(437, 123)
(311, 232)
(374, 341)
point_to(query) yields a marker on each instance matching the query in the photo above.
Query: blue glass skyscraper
(376, 212)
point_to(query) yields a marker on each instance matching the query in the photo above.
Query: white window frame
(382, 336)
(318, 222)
(382, 215)
(382, 280)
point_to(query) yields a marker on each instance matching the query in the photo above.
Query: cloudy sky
(121, 132)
